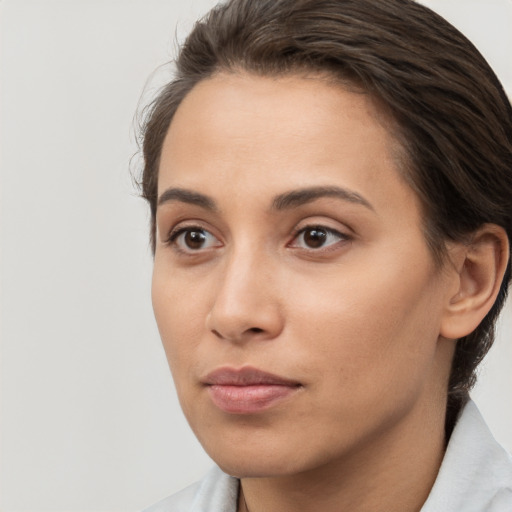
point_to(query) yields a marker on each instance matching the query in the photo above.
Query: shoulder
(501, 501)
(216, 492)
(476, 473)
(179, 501)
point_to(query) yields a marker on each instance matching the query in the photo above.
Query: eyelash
(172, 239)
(343, 237)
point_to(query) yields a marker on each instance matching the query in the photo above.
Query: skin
(357, 321)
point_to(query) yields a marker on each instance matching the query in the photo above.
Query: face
(296, 298)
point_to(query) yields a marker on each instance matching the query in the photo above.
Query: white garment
(475, 476)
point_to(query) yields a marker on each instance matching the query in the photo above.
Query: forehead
(268, 134)
(292, 101)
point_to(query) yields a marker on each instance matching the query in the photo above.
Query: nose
(246, 304)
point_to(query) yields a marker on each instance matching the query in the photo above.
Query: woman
(330, 184)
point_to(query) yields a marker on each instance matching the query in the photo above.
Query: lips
(247, 390)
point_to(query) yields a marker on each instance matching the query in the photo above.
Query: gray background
(89, 420)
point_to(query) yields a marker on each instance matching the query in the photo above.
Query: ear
(479, 268)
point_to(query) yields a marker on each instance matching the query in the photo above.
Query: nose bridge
(246, 301)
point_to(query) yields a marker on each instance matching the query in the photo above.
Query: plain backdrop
(89, 419)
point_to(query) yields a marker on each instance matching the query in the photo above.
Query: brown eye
(193, 239)
(318, 237)
(315, 237)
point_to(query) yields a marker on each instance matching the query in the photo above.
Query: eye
(193, 239)
(317, 237)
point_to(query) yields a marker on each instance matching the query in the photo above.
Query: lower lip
(249, 399)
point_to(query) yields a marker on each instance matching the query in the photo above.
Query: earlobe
(480, 269)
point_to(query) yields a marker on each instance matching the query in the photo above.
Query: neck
(393, 472)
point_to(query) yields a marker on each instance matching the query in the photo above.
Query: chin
(258, 466)
(264, 454)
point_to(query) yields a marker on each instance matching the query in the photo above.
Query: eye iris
(315, 237)
(195, 239)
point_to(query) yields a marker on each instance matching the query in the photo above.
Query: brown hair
(454, 119)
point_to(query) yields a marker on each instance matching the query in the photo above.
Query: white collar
(476, 472)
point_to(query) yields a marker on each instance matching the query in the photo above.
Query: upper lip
(245, 376)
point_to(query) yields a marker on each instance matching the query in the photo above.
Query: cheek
(179, 318)
(367, 328)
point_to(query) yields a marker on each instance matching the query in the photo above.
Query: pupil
(315, 237)
(194, 239)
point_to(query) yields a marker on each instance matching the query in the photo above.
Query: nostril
(235, 335)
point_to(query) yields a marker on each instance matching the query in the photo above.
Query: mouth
(248, 390)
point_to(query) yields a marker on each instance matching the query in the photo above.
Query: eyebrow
(187, 196)
(285, 201)
(303, 196)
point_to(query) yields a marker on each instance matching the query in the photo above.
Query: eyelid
(341, 234)
(183, 225)
(188, 226)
